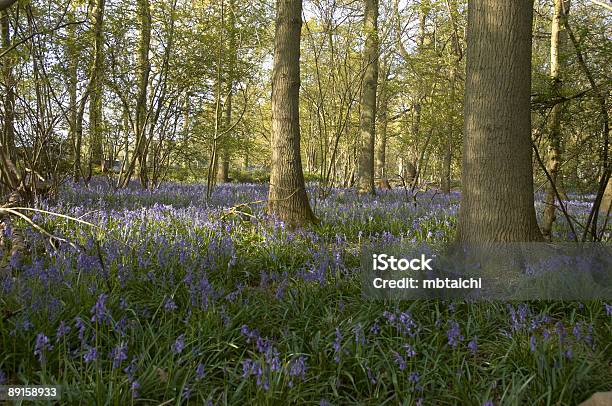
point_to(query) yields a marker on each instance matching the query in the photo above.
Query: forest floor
(173, 298)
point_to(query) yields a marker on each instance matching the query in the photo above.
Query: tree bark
(381, 139)
(367, 116)
(72, 58)
(144, 70)
(4, 4)
(558, 40)
(223, 175)
(8, 132)
(497, 202)
(287, 196)
(95, 102)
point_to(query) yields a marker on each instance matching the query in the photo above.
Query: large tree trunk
(144, 69)
(497, 201)
(367, 117)
(558, 39)
(95, 102)
(287, 197)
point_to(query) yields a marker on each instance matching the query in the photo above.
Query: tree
(144, 69)
(367, 118)
(223, 174)
(558, 39)
(287, 196)
(95, 104)
(497, 174)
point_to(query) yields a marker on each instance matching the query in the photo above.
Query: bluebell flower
(42, 345)
(179, 345)
(400, 360)
(90, 355)
(134, 388)
(473, 345)
(200, 372)
(99, 310)
(62, 330)
(118, 355)
(454, 334)
(297, 368)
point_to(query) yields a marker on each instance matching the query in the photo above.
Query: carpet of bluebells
(173, 298)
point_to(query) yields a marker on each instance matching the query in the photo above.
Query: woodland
(187, 186)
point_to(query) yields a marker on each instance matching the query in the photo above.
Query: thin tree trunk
(72, 58)
(223, 175)
(448, 141)
(144, 70)
(8, 132)
(497, 202)
(381, 140)
(95, 102)
(287, 197)
(367, 116)
(558, 40)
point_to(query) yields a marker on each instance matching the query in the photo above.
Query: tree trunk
(605, 207)
(558, 39)
(144, 69)
(73, 80)
(448, 141)
(287, 197)
(497, 177)
(367, 116)
(381, 140)
(223, 175)
(8, 132)
(95, 102)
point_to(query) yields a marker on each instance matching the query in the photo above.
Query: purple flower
(532, 343)
(400, 360)
(247, 365)
(134, 388)
(42, 345)
(371, 376)
(170, 306)
(200, 372)
(297, 368)
(2, 377)
(473, 345)
(179, 344)
(62, 330)
(488, 403)
(454, 334)
(99, 310)
(337, 345)
(118, 355)
(410, 352)
(608, 309)
(414, 377)
(90, 355)
(186, 393)
(80, 324)
(130, 370)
